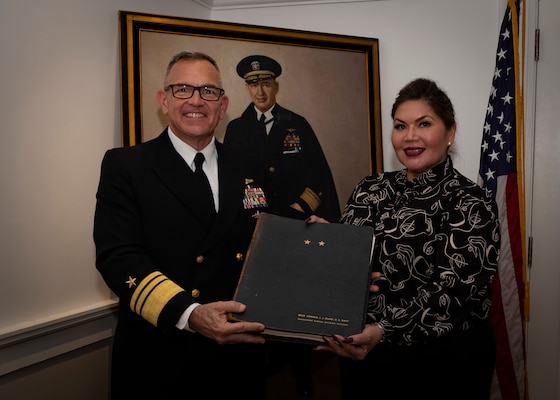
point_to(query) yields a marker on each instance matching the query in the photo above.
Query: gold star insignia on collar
(131, 282)
(321, 243)
(307, 241)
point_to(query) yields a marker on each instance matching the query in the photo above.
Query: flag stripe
(504, 317)
(515, 316)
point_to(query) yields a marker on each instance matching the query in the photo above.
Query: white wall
(59, 110)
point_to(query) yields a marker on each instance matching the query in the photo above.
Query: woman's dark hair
(428, 91)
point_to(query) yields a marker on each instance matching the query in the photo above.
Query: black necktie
(207, 209)
(263, 123)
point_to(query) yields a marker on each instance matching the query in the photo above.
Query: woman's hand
(355, 347)
(374, 277)
(314, 219)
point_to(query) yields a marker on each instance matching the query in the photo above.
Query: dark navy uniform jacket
(295, 166)
(159, 256)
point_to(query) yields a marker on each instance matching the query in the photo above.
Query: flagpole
(520, 150)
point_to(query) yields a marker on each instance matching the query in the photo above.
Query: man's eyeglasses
(184, 91)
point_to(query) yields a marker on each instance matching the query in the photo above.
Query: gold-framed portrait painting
(331, 80)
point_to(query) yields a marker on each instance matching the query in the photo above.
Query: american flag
(501, 172)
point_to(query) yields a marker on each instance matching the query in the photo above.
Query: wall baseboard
(26, 346)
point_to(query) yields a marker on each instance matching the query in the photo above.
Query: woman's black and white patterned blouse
(437, 248)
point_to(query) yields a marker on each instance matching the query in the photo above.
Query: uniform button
(239, 257)
(195, 293)
(271, 169)
(200, 259)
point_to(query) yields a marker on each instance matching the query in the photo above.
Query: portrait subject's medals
(292, 142)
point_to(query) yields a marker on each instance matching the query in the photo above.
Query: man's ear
(224, 106)
(162, 100)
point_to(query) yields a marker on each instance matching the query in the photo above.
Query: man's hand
(211, 321)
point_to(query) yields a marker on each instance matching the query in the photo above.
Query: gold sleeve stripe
(311, 198)
(152, 294)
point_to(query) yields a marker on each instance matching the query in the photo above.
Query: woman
(429, 334)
